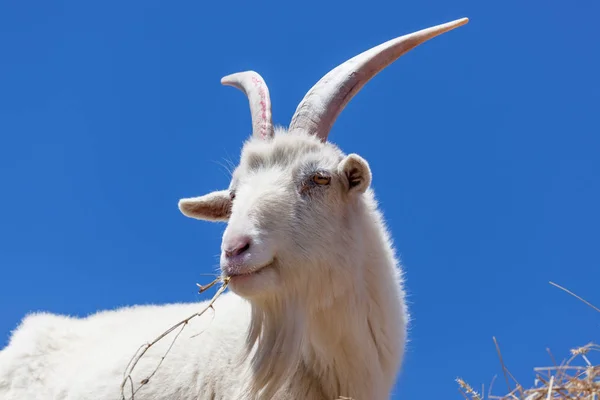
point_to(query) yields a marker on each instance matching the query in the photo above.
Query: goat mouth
(248, 273)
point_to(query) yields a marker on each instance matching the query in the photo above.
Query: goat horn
(255, 88)
(320, 107)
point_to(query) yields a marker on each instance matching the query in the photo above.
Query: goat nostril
(241, 248)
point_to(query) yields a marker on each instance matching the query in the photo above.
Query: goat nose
(236, 246)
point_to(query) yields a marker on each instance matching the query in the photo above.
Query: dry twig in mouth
(144, 348)
(202, 289)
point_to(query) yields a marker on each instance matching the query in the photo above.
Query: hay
(575, 378)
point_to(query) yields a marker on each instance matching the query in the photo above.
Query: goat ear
(215, 206)
(357, 172)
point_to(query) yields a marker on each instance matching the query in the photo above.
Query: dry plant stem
(139, 354)
(502, 363)
(465, 389)
(206, 287)
(574, 295)
(492, 385)
(463, 393)
(550, 388)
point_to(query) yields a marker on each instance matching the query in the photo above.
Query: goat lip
(249, 272)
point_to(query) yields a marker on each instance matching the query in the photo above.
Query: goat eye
(232, 194)
(321, 179)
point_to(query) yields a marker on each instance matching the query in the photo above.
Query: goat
(316, 308)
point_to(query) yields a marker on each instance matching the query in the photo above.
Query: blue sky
(483, 143)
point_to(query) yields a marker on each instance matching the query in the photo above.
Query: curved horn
(255, 88)
(319, 109)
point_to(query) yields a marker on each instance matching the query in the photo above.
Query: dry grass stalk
(467, 390)
(144, 348)
(577, 297)
(576, 378)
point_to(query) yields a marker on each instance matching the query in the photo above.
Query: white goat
(317, 309)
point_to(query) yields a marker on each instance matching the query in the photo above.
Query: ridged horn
(320, 107)
(255, 88)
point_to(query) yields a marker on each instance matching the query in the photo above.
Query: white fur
(327, 318)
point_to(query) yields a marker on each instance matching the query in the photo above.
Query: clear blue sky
(484, 144)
